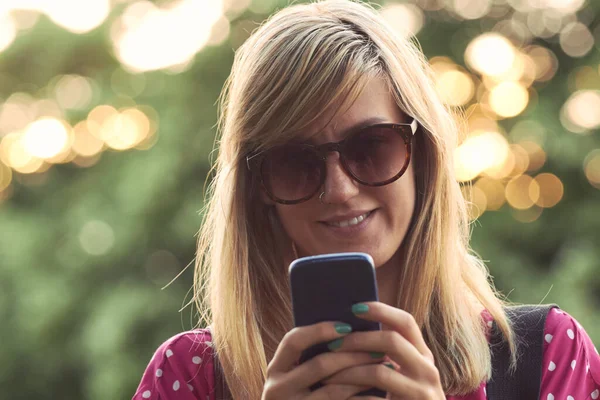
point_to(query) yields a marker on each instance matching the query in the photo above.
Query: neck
(388, 279)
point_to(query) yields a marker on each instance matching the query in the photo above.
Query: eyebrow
(354, 128)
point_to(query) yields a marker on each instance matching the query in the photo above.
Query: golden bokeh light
(84, 143)
(490, 54)
(536, 155)
(480, 118)
(73, 92)
(78, 16)
(476, 201)
(456, 88)
(520, 160)
(97, 116)
(86, 162)
(565, 6)
(478, 153)
(494, 192)
(8, 31)
(471, 9)
(551, 190)
(576, 40)
(591, 167)
(546, 63)
(406, 19)
(528, 215)
(147, 37)
(220, 32)
(580, 112)
(73, 15)
(5, 177)
(522, 192)
(46, 138)
(123, 130)
(508, 99)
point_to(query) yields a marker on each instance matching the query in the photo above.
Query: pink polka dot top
(182, 367)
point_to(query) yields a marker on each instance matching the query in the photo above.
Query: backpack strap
(528, 322)
(221, 388)
(220, 385)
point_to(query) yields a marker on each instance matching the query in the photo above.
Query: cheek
(291, 219)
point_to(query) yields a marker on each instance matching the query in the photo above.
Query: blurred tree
(89, 245)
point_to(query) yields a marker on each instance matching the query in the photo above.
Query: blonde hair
(302, 61)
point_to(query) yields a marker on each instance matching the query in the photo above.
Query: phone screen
(325, 287)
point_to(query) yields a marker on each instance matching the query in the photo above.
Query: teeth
(353, 221)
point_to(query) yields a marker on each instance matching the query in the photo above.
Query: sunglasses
(376, 155)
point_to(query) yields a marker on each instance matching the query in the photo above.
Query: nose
(339, 186)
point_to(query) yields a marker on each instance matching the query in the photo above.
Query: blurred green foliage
(81, 326)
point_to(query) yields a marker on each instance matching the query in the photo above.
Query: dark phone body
(325, 287)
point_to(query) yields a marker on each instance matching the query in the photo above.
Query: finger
(399, 321)
(394, 345)
(381, 377)
(299, 339)
(325, 365)
(337, 391)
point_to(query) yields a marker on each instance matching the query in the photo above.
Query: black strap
(221, 388)
(528, 322)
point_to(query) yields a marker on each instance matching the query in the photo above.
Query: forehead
(374, 104)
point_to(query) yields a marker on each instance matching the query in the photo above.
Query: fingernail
(343, 328)
(390, 365)
(377, 355)
(360, 308)
(336, 344)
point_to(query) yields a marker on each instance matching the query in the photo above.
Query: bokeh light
(8, 31)
(508, 99)
(490, 54)
(73, 92)
(522, 192)
(73, 15)
(576, 40)
(478, 153)
(46, 138)
(96, 237)
(551, 190)
(147, 37)
(591, 167)
(494, 192)
(406, 19)
(580, 113)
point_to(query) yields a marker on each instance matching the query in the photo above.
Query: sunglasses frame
(254, 161)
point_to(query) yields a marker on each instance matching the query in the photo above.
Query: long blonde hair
(301, 62)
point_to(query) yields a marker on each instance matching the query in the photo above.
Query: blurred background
(107, 115)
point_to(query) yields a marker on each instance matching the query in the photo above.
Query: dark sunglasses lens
(291, 172)
(376, 154)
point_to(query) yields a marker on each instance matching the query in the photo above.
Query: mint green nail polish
(360, 308)
(390, 366)
(343, 328)
(377, 355)
(336, 344)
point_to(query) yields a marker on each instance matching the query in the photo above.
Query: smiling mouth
(349, 222)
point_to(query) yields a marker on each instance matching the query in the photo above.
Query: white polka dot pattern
(183, 361)
(571, 365)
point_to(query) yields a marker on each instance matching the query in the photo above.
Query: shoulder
(571, 364)
(181, 368)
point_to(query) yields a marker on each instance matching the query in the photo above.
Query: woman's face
(311, 225)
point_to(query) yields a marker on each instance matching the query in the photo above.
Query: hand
(288, 380)
(414, 374)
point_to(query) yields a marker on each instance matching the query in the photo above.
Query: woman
(333, 72)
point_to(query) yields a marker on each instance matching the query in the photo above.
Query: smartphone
(325, 287)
